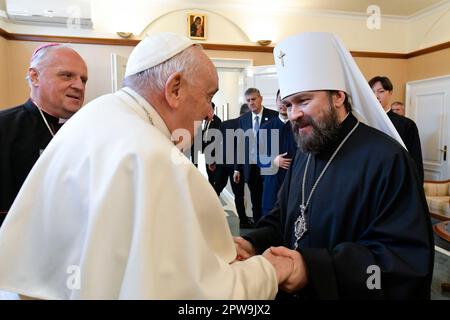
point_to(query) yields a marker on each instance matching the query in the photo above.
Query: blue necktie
(256, 125)
(253, 149)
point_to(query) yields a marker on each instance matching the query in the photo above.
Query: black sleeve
(413, 143)
(270, 228)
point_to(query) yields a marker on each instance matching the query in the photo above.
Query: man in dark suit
(407, 129)
(57, 77)
(225, 169)
(207, 139)
(247, 163)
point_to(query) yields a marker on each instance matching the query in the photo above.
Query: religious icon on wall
(197, 26)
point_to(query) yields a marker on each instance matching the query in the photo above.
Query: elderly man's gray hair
(156, 77)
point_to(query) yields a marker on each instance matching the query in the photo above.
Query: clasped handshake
(289, 264)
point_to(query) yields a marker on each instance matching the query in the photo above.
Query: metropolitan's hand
(282, 162)
(236, 177)
(299, 277)
(244, 248)
(284, 266)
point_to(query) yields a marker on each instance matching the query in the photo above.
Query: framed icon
(197, 26)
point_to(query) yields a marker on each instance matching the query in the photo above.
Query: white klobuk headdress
(314, 61)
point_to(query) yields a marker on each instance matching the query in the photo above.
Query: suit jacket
(207, 139)
(23, 136)
(229, 146)
(407, 130)
(245, 123)
(274, 177)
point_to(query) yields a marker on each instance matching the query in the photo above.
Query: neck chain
(300, 226)
(141, 105)
(45, 120)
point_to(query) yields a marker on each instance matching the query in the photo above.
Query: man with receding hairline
(57, 77)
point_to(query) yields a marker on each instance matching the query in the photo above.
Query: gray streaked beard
(325, 132)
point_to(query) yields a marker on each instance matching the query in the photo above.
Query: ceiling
(388, 7)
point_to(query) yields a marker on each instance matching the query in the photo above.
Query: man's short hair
(397, 102)
(244, 109)
(249, 91)
(385, 82)
(347, 102)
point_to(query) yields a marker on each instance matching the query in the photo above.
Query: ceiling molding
(208, 46)
(444, 4)
(329, 13)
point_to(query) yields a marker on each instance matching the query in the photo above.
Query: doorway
(428, 104)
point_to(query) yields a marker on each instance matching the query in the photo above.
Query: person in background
(57, 77)
(208, 139)
(248, 168)
(351, 213)
(127, 215)
(407, 129)
(225, 169)
(279, 163)
(398, 107)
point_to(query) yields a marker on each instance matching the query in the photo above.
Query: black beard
(324, 133)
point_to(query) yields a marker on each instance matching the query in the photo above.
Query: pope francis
(112, 209)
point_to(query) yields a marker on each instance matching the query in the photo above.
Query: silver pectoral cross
(281, 56)
(300, 225)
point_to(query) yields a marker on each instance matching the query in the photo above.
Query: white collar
(258, 114)
(139, 104)
(282, 119)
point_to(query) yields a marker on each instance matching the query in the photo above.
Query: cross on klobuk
(281, 56)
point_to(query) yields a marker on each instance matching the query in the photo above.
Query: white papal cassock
(113, 210)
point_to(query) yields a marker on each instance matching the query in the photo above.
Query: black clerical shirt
(23, 137)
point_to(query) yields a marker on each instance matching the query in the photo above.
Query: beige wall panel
(14, 59)
(259, 58)
(3, 73)
(395, 69)
(430, 65)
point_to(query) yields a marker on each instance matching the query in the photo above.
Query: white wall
(430, 29)
(237, 24)
(229, 92)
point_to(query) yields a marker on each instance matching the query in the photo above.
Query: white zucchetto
(154, 50)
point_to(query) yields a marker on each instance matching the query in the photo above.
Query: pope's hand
(244, 248)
